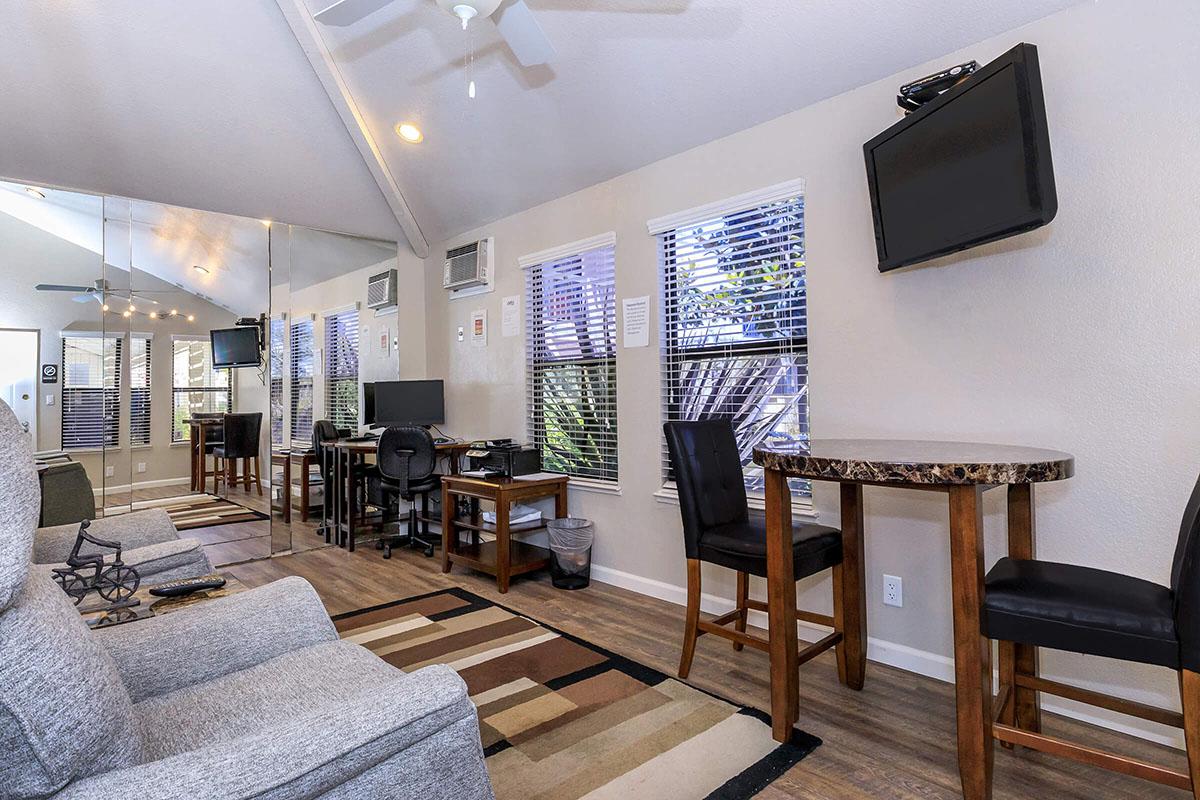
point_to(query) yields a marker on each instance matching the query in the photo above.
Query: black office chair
(717, 529)
(240, 440)
(1030, 604)
(405, 470)
(324, 431)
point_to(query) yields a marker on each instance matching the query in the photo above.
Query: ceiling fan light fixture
(465, 12)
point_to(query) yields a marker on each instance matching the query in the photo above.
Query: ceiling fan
(98, 291)
(513, 18)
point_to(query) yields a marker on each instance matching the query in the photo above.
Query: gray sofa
(249, 696)
(149, 543)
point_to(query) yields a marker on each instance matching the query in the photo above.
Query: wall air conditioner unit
(381, 290)
(469, 267)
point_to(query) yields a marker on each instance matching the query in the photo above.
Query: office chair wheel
(387, 551)
(379, 544)
(429, 551)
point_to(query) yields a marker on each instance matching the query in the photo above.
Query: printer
(504, 457)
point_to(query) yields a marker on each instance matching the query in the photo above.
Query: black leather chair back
(212, 433)
(241, 434)
(708, 475)
(324, 431)
(1185, 583)
(406, 454)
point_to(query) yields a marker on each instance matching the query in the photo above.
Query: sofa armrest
(138, 529)
(215, 638)
(425, 718)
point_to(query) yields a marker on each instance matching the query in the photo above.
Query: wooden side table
(502, 557)
(160, 605)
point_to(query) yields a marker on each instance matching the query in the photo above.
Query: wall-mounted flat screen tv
(234, 347)
(969, 167)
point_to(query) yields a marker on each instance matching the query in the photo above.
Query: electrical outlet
(893, 591)
(49, 399)
(141, 467)
(109, 472)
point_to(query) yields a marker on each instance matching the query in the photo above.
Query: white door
(19, 375)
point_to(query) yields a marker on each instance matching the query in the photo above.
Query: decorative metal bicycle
(114, 581)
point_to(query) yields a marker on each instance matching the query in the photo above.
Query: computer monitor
(368, 404)
(409, 403)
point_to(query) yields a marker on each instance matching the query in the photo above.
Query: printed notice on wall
(479, 327)
(636, 315)
(510, 316)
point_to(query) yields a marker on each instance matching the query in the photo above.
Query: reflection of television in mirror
(969, 167)
(235, 347)
(408, 403)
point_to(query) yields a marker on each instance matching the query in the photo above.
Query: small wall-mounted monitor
(408, 403)
(235, 347)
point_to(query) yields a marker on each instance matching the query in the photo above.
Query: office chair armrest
(161, 654)
(412, 738)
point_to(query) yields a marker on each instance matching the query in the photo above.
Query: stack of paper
(518, 515)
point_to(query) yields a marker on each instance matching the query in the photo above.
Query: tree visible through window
(341, 368)
(278, 359)
(197, 388)
(91, 391)
(735, 330)
(571, 368)
(301, 360)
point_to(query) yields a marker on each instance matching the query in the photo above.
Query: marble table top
(909, 461)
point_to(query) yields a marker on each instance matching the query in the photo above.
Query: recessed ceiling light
(38, 193)
(410, 133)
(200, 269)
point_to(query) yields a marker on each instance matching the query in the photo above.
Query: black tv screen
(234, 347)
(409, 403)
(969, 167)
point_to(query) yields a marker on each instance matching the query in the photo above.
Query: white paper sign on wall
(636, 318)
(510, 316)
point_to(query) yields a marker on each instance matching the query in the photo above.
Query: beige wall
(1080, 336)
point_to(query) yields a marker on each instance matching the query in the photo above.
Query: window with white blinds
(91, 391)
(197, 388)
(734, 322)
(139, 390)
(278, 352)
(341, 368)
(571, 359)
(300, 352)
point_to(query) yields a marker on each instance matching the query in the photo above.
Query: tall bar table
(961, 470)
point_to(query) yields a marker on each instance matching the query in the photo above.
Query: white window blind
(197, 388)
(735, 325)
(278, 352)
(301, 368)
(341, 368)
(91, 393)
(139, 390)
(571, 361)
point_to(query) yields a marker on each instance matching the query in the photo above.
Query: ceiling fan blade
(348, 12)
(524, 35)
(58, 287)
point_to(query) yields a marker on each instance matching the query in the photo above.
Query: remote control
(187, 586)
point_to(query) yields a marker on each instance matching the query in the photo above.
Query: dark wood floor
(894, 739)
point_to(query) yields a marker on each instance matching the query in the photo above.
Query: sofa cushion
(265, 696)
(64, 710)
(20, 501)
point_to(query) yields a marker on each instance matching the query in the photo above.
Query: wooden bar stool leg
(692, 625)
(258, 474)
(217, 468)
(743, 596)
(1021, 528)
(1189, 687)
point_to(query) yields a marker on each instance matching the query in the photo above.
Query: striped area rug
(201, 511)
(564, 719)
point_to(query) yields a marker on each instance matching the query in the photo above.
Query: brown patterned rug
(564, 719)
(201, 511)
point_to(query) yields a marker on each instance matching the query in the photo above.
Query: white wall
(1081, 336)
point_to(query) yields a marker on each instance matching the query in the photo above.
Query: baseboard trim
(900, 656)
(143, 485)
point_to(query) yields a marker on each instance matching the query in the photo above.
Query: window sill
(594, 486)
(142, 447)
(802, 507)
(83, 451)
(184, 443)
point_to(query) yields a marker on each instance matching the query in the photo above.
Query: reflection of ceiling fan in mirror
(513, 18)
(100, 291)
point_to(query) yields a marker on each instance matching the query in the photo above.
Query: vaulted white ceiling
(213, 104)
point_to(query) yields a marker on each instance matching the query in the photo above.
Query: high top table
(961, 470)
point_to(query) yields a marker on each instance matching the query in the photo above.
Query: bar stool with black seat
(214, 437)
(717, 529)
(240, 441)
(325, 433)
(1030, 604)
(404, 469)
